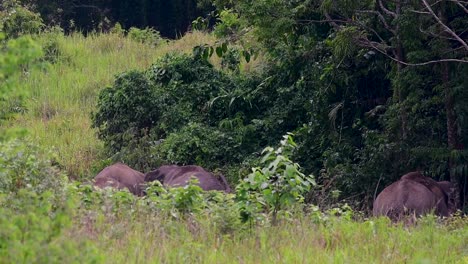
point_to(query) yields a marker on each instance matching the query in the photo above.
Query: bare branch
(386, 11)
(420, 12)
(446, 28)
(380, 16)
(335, 25)
(462, 6)
(382, 49)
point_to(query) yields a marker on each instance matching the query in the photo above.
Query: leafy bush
(23, 166)
(34, 229)
(50, 42)
(228, 24)
(167, 109)
(178, 202)
(147, 35)
(16, 55)
(279, 184)
(19, 21)
(117, 29)
(126, 110)
(196, 144)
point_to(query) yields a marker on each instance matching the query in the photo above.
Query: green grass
(159, 240)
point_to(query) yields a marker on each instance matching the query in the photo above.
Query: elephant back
(179, 176)
(120, 176)
(402, 198)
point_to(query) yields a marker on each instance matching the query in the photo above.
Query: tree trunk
(400, 56)
(452, 136)
(453, 141)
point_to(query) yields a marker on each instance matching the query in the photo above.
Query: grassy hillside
(68, 223)
(61, 98)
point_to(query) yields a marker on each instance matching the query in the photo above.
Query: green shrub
(117, 29)
(50, 42)
(24, 166)
(196, 144)
(19, 21)
(17, 54)
(169, 101)
(126, 110)
(34, 228)
(177, 202)
(224, 213)
(277, 185)
(228, 24)
(146, 35)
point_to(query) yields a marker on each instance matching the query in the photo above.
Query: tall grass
(161, 240)
(62, 96)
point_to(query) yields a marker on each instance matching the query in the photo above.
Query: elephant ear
(225, 183)
(447, 187)
(449, 190)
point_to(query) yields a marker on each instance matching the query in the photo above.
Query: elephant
(414, 194)
(121, 176)
(179, 176)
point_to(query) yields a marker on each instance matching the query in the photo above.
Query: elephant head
(178, 176)
(121, 176)
(414, 194)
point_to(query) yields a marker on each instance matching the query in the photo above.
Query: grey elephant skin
(121, 176)
(414, 194)
(179, 176)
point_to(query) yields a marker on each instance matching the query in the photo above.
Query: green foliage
(196, 144)
(146, 35)
(50, 41)
(228, 24)
(276, 186)
(117, 29)
(167, 109)
(126, 109)
(18, 21)
(23, 166)
(34, 229)
(16, 55)
(230, 60)
(178, 202)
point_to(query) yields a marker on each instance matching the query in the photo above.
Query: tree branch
(380, 16)
(462, 6)
(386, 11)
(446, 28)
(375, 46)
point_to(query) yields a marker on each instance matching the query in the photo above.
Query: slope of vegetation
(62, 96)
(359, 120)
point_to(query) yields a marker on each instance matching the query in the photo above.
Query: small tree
(279, 184)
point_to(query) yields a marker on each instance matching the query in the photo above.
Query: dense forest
(170, 18)
(309, 108)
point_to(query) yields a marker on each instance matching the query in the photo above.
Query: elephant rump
(414, 194)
